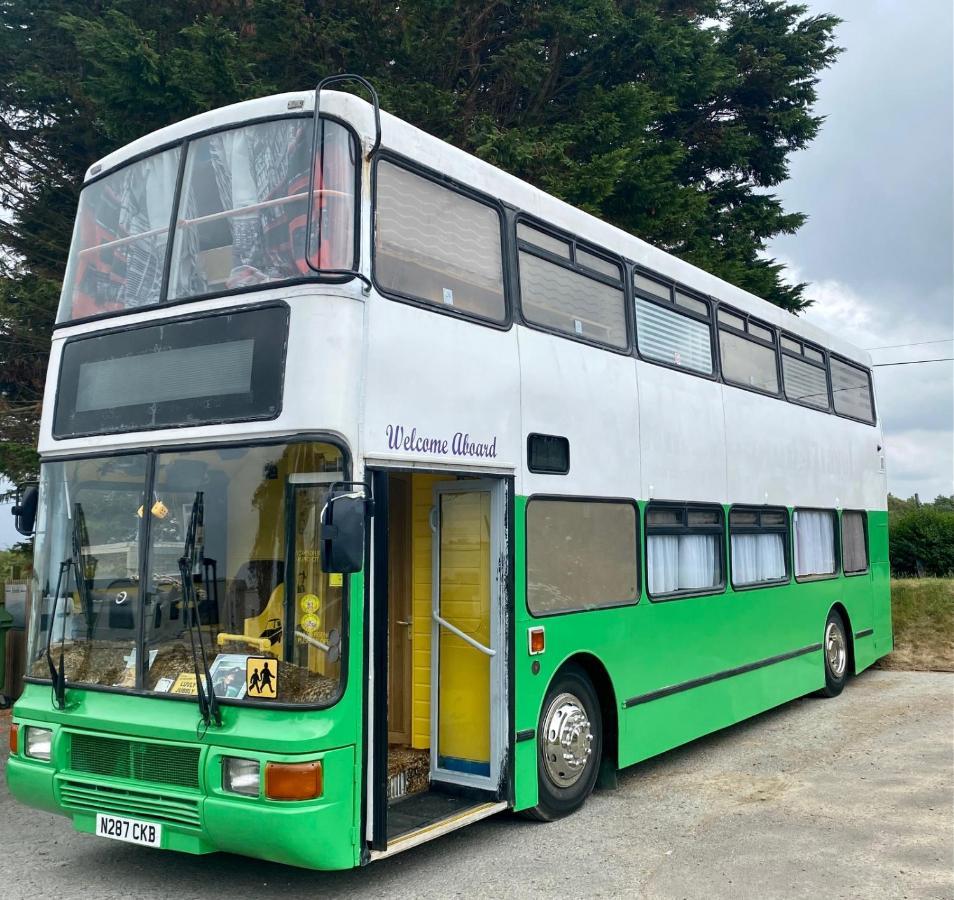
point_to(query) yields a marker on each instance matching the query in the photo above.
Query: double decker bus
(381, 492)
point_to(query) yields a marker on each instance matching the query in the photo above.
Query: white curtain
(682, 562)
(814, 542)
(757, 557)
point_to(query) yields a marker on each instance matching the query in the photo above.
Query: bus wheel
(835, 650)
(569, 745)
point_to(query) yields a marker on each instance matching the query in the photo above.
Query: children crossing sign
(261, 677)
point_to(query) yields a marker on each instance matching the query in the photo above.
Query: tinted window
(543, 240)
(815, 552)
(581, 554)
(758, 539)
(558, 297)
(851, 391)
(748, 363)
(437, 245)
(684, 552)
(854, 542)
(548, 454)
(805, 383)
(669, 336)
(218, 368)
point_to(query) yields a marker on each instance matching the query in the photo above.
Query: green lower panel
(694, 661)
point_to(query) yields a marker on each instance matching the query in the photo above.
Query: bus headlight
(39, 743)
(241, 776)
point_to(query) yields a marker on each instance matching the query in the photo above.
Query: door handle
(487, 651)
(401, 622)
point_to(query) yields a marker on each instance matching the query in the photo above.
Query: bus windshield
(256, 589)
(238, 213)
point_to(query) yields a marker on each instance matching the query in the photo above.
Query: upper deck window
(851, 390)
(119, 239)
(804, 374)
(243, 213)
(436, 245)
(748, 352)
(581, 297)
(239, 221)
(672, 327)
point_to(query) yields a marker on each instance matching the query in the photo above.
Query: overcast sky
(878, 248)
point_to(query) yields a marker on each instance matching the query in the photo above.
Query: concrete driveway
(849, 798)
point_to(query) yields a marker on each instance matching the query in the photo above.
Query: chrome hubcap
(566, 740)
(835, 650)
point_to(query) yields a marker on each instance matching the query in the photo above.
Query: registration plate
(133, 831)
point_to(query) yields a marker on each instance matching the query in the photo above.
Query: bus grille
(93, 798)
(136, 760)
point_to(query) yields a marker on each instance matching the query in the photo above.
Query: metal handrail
(464, 637)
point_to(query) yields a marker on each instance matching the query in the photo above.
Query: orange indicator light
(293, 781)
(14, 731)
(537, 641)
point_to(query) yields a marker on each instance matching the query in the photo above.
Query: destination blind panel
(205, 370)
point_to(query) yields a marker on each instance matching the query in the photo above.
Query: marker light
(293, 781)
(241, 776)
(14, 729)
(39, 743)
(536, 639)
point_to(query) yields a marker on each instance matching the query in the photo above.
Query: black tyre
(835, 652)
(569, 745)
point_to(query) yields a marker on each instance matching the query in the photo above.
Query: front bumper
(198, 816)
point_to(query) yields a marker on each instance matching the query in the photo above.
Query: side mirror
(24, 509)
(342, 533)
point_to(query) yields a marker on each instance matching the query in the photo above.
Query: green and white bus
(381, 492)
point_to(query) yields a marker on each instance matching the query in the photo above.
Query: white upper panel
(399, 136)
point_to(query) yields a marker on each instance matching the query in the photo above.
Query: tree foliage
(673, 119)
(922, 541)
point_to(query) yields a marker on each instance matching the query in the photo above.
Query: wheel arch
(839, 607)
(596, 671)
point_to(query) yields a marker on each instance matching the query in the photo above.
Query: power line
(917, 344)
(914, 362)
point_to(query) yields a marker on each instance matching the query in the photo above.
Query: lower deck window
(758, 538)
(581, 554)
(854, 542)
(683, 549)
(815, 543)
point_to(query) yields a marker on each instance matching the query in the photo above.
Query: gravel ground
(851, 798)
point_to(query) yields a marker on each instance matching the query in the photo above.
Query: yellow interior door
(463, 601)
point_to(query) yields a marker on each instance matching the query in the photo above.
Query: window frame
(774, 345)
(580, 498)
(831, 386)
(539, 434)
(183, 145)
(823, 365)
(841, 538)
(464, 190)
(720, 530)
(520, 245)
(836, 539)
(672, 306)
(785, 530)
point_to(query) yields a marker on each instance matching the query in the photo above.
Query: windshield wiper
(58, 674)
(208, 705)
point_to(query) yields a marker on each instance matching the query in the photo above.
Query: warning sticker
(185, 684)
(261, 677)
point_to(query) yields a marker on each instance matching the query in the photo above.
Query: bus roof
(407, 140)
